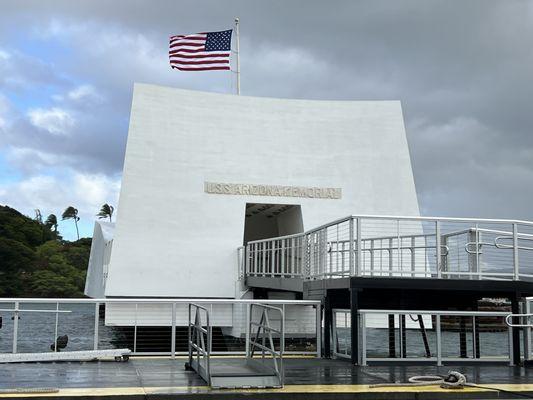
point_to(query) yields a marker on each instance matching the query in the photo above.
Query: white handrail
(156, 301)
(509, 322)
(402, 218)
(438, 312)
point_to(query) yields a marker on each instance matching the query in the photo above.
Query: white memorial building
(205, 173)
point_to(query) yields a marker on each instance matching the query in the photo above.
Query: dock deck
(305, 378)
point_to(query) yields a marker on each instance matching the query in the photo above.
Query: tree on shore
(38, 216)
(36, 262)
(72, 213)
(106, 212)
(51, 222)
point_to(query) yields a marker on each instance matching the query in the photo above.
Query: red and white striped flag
(205, 51)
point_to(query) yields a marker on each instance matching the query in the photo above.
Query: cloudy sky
(462, 69)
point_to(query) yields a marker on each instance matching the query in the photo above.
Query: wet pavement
(161, 372)
(304, 373)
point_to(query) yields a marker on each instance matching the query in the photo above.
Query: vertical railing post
(351, 268)
(438, 249)
(282, 256)
(527, 331)
(189, 333)
(413, 257)
(263, 263)
(96, 324)
(248, 319)
(479, 253)
(173, 332)
(56, 327)
(391, 262)
(282, 338)
(473, 265)
(359, 245)
(318, 331)
(516, 263)
(16, 327)
(293, 257)
(322, 253)
(372, 257)
(246, 261)
(135, 330)
(399, 247)
(255, 263)
(303, 258)
(272, 257)
(439, 340)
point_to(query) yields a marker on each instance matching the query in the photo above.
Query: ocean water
(491, 344)
(36, 332)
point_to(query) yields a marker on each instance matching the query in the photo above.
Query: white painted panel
(158, 314)
(175, 240)
(99, 258)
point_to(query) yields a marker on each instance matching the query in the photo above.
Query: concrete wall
(173, 239)
(102, 244)
(290, 222)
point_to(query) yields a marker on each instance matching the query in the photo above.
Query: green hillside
(36, 262)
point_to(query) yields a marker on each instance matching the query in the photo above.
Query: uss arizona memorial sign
(272, 190)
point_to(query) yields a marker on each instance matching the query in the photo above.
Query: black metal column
(515, 309)
(354, 325)
(392, 337)
(403, 332)
(328, 317)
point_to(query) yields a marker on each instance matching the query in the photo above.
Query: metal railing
(200, 341)
(340, 329)
(148, 326)
(389, 246)
(445, 336)
(261, 336)
(263, 339)
(524, 321)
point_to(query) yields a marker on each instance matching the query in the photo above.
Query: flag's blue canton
(218, 41)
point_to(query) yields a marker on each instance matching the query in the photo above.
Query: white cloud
(95, 189)
(32, 161)
(82, 95)
(55, 120)
(4, 55)
(84, 92)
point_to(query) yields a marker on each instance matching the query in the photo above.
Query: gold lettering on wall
(272, 190)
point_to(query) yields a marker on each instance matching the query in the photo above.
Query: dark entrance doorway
(264, 221)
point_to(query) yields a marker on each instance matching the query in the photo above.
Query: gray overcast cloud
(462, 69)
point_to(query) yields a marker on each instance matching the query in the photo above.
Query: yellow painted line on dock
(142, 391)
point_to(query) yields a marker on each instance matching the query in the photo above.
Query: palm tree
(106, 212)
(38, 216)
(51, 222)
(72, 213)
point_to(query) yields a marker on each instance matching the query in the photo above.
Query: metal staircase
(263, 365)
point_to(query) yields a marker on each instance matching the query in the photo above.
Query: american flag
(201, 51)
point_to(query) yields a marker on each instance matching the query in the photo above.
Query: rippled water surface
(36, 332)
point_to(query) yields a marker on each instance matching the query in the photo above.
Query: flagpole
(238, 63)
